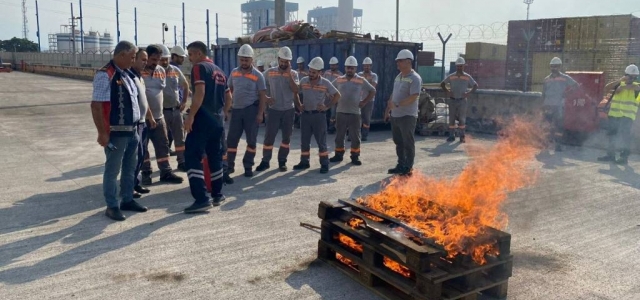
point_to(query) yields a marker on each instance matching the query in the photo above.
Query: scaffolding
(257, 14)
(325, 19)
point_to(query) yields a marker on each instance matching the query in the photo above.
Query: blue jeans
(124, 158)
(143, 133)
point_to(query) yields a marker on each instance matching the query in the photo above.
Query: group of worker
(141, 93)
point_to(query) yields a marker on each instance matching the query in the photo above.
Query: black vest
(120, 115)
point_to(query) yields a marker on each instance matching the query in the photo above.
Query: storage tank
(64, 42)
(106, 42)
(92, 42)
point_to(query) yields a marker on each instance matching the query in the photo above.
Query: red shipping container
(581, 105)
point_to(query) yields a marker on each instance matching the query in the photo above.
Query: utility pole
(217, 41)
(117, 21)
(398, 22)
(25, 21)
(81, 30)
(175, 35)
(208, 41)
(38, 24)
(528, 3)
(164, 28)
(135, 24)
(73, 37)
(444, 50)
(183, 31)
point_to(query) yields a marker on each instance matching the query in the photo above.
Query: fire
(355, 222)
(346, 261)
(396, 267)
(350, 243)
(455, 212)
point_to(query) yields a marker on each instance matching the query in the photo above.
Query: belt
(173, 109)
(312, 112)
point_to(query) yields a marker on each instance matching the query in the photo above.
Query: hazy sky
(378, 15)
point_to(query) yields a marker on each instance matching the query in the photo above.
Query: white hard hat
(285, 53)
(177, 50)
(165, 51)
(404, 54)
(300, 60)
(556, 61)
(316, 63)
(367, 61)
(460, 61)
(260, 64)
(351, 62)
(245, 51)
(333, 61)
(632, 70)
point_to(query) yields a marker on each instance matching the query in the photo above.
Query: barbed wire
(492, 31)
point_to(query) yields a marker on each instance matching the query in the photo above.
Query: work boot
(114, 214)
(263, 166)
(282, 166)
(451, 138)
(463, 139)
(396, 170)
(171, 178)
(198, 207)
(356, 161)
(231, 170)
(218, 200)
(132, 206)
(336, 158)
(248, 172)
(227, 179)
(406, 171)
(146, 179)
(624, 158)
(608, 157)
(182, 167)
(137, 195)
(141, 190)
(302, 166)
(324, 169)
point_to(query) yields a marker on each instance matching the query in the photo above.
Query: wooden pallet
(432, 277)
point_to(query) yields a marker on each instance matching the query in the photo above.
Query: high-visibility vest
(625, 103)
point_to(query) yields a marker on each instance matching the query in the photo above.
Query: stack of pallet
(429, 73)
(600, 43)
(486, 64)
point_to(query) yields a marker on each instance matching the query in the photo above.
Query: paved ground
(575, 234)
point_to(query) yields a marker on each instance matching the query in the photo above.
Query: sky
(378, 15)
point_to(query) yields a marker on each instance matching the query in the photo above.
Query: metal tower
(25, 28)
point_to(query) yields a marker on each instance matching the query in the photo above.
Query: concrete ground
(575, 233)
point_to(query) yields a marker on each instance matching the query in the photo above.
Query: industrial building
(93, 41)
(257, 14)
(329, 18)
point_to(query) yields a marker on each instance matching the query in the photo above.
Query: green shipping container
(430, 74)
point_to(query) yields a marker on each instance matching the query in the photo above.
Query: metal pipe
(208, 42)
(183, 31)
(217, 41)
(175, 35)
(81, 30)
(117, 21)
(73, 36)
(398, 20)
(135, 24)
(38, 24)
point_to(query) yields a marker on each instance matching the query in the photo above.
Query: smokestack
(280, 12)
(345, 15)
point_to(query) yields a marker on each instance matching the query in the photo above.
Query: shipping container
(426, 58)
(579, 60)
(430, 74)
(588, 33)
(540, 67)
(538, 87)
(485, 51)
(634, 39)
(572, 34)
(515, 74)
(547, 35)
(612, 63)
(383, 54)
(488, 73)
(613, 30)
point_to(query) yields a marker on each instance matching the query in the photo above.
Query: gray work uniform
(172, 114)
(459, 85)
(281, 114)
(403, 119)
(312, 121)
(348, 111)
(331, 76)
(554, 89)
(155, 82)
(246, 88)
(367, 110)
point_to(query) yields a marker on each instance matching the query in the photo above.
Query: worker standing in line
(366, 111)
(260, 66)
(177, 59)
(622, 113)
(249, 99)
(555, 87)
(402, 109)
(205, 127)
(282, 87)
(115, 112)
(332, 74)
(351, 87)
(302, 72)
(459, 82)
(176, 84)
(313, 122)
(154, 78)
(145, 114)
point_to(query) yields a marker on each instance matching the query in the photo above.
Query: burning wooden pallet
(397, 262)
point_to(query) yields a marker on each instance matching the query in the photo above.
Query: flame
(346, 261)
(355, 222)
(396, 267)
(456, 212)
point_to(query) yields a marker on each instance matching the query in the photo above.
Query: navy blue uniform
(207, 131)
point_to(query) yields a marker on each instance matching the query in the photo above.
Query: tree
(18, 45)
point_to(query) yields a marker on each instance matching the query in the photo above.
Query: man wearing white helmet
(366, 111)
(459, 83)
(622, 113)
(314, 88)
(154, 77)
(402, 109)
(282, 86)
(177, 59)
(248, 101)
(260, 66)
(173, 106)
(332, 74)
(554, 90)
(351, 87)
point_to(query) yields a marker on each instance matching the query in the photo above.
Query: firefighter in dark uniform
(205, 128)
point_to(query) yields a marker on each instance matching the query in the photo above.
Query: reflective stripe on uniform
(323, 153)
(306, 153)
(284, 146)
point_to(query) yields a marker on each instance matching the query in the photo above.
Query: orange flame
(346, 261)
(456, 212)
(350, 243)
(396, 267)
